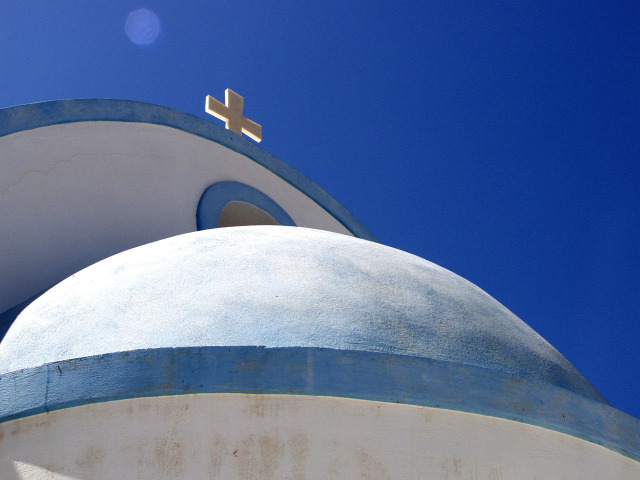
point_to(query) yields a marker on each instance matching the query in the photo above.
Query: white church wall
(236, 436)
(72, 194)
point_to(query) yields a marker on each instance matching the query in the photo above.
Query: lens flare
(142, 27)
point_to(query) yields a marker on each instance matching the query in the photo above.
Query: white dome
(280, 287)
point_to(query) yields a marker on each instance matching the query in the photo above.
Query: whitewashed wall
(73, 194)
(233, 436)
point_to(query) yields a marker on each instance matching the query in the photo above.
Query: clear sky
(500, 140)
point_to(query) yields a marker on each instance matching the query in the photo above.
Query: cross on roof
(231, 113)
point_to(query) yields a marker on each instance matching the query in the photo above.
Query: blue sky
(496, 139)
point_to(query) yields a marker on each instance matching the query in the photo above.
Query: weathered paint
(280, 287)
(297, 437)
(314, 371)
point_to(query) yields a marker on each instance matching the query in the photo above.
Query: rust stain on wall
(260, 456)
(169, 457)
(91, 458)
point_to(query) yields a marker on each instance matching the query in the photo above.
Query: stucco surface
(280, 287)
(296, 437)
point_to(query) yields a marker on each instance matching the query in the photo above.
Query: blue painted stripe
(315, 371)
(36, 115)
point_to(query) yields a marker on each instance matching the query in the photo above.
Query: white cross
(231, 113)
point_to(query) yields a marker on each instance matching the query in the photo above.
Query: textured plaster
(293, 437)
(280, 287)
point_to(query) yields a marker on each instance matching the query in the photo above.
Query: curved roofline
(56, 112)
(314, 371)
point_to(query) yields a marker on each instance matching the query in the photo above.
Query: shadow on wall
(7, 318)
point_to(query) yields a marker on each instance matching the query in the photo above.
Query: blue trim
(220, 194)
(36, 115)
(319, 372)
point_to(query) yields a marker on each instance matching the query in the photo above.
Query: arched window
(234, 204)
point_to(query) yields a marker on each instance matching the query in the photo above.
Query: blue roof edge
(318, 372)
(36, 115)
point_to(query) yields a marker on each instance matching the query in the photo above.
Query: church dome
(281, 287)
